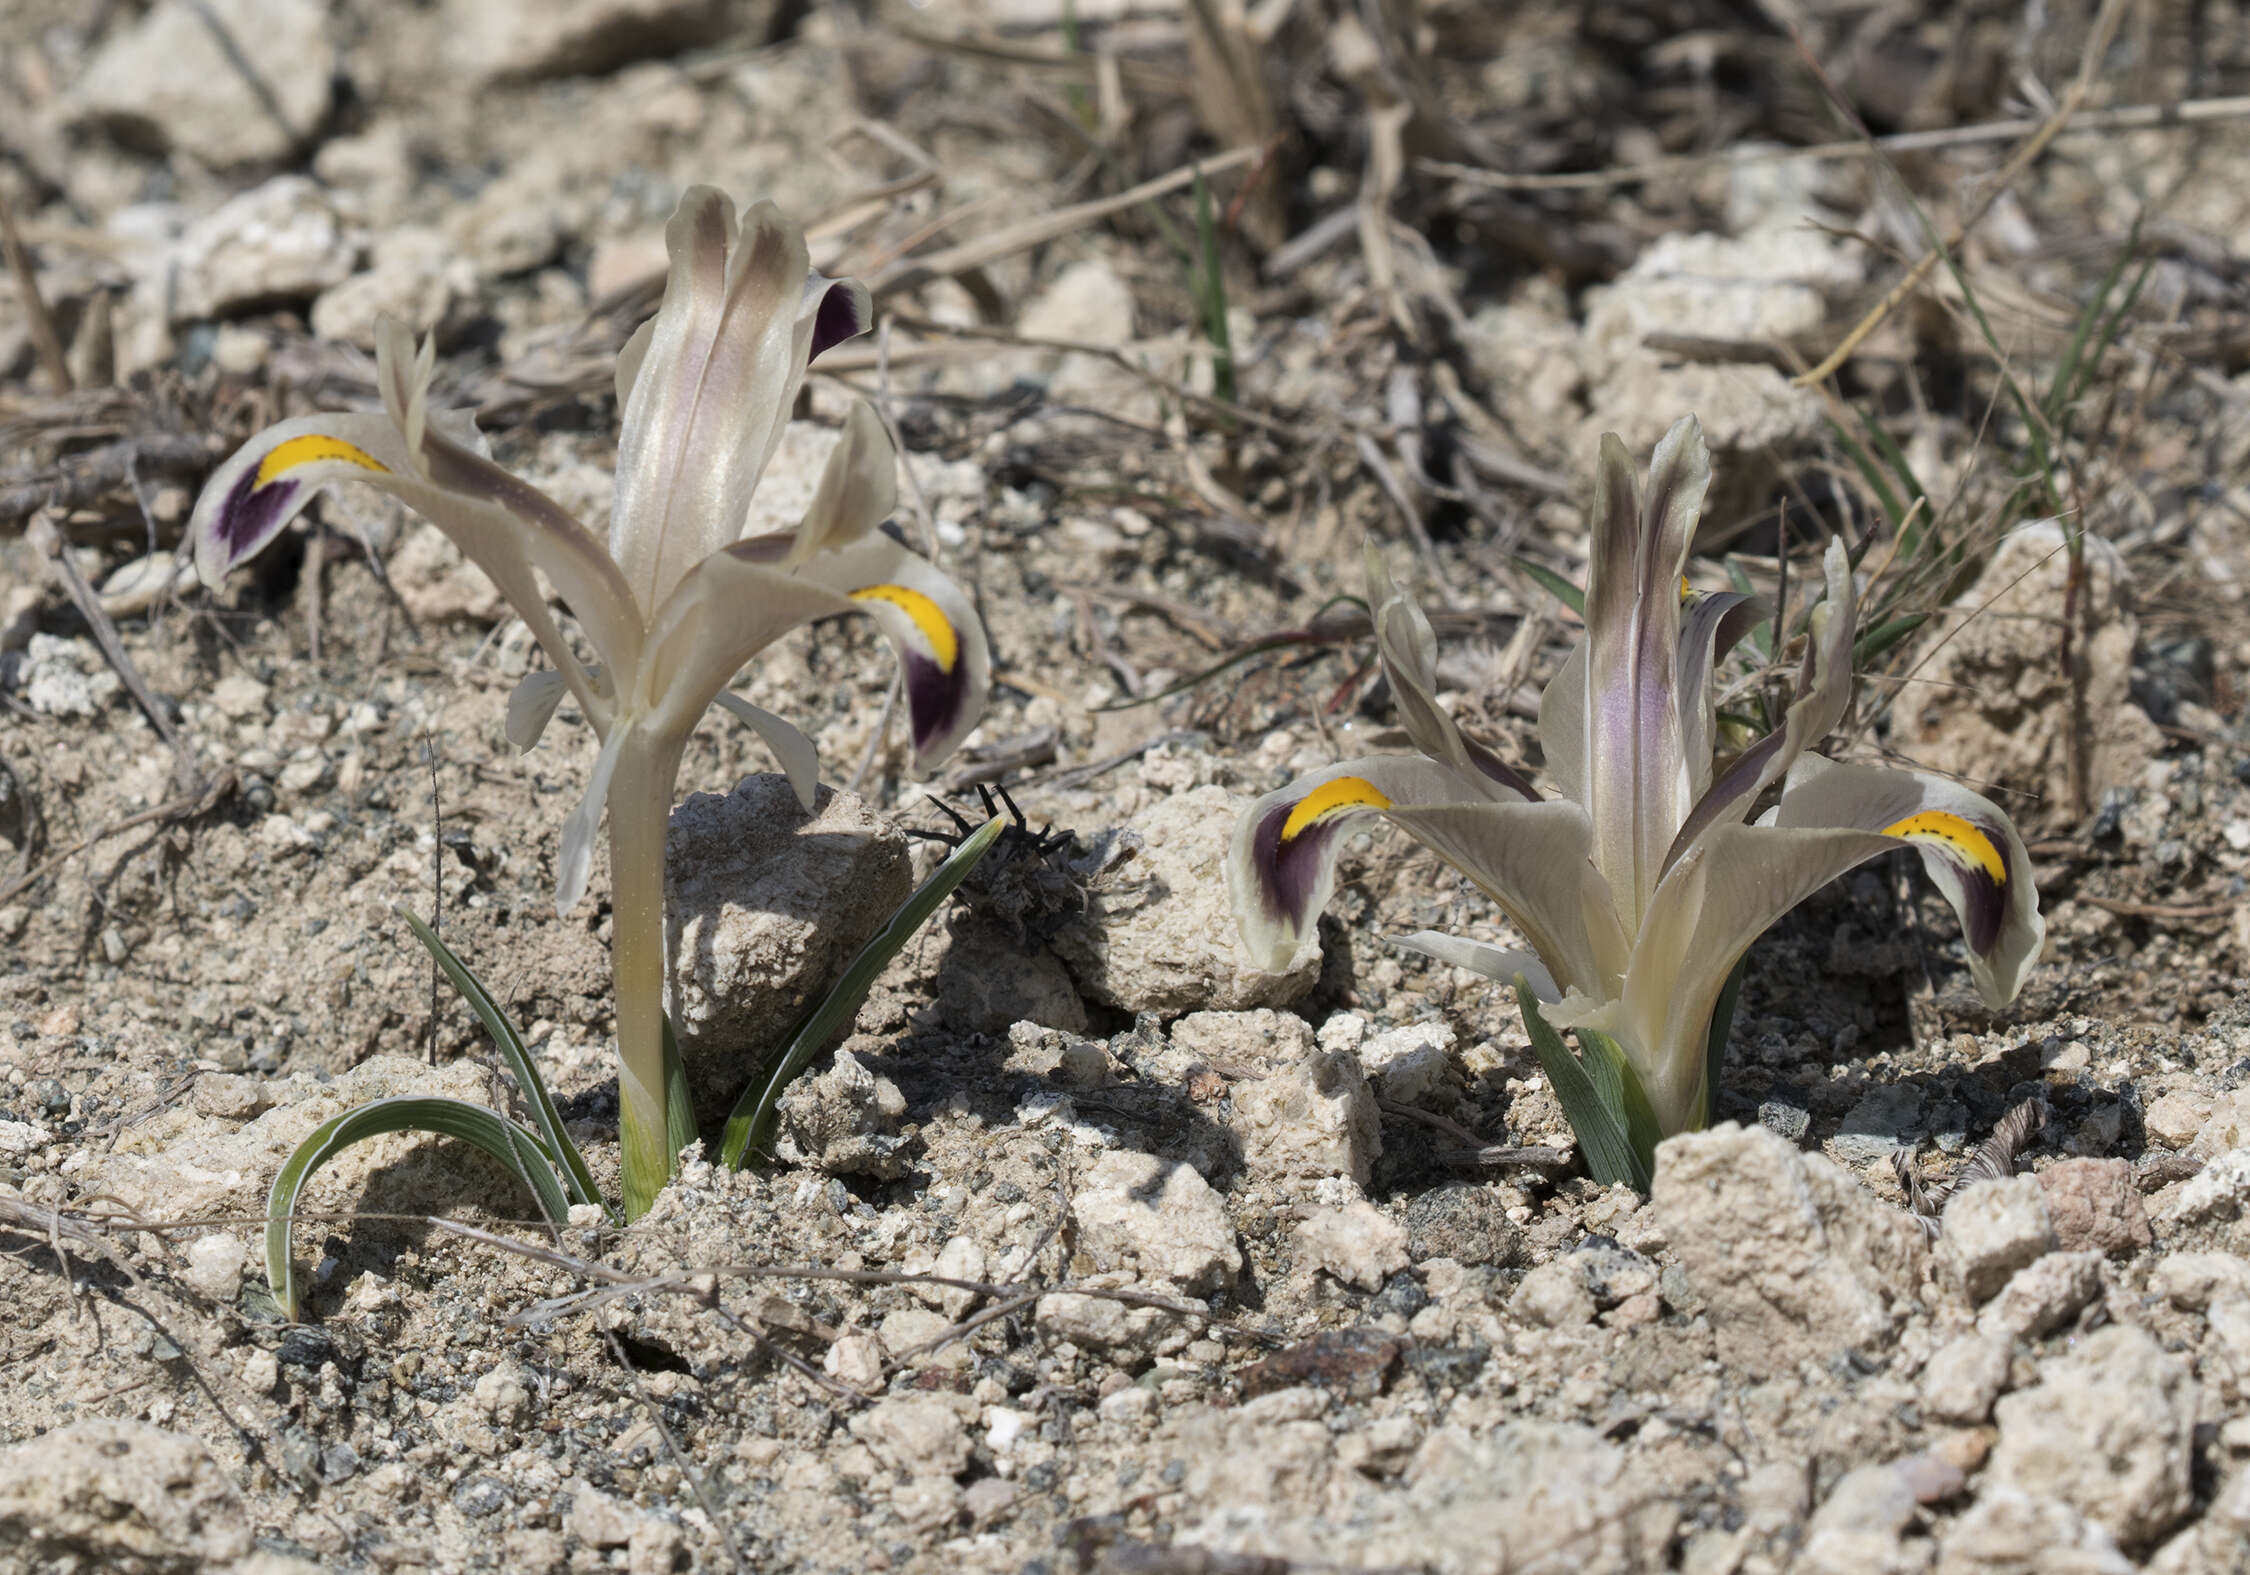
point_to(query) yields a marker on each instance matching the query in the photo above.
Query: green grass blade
(1885, 635)
(1211, 293)
(1762, 634)
(750, 1126)
(1871, 473)
(1597, 1113)
(1620, 1085)
(1554, 585)
(518, 1056)
(2090, 329)
(514, 1146)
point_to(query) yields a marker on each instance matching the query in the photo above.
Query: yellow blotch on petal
(945, 645)
(1332, 798)
(1974, 843)
(310, 449)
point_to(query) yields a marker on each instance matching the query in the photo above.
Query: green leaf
(750, 1126)
(1553, 584)
(1598, 1107)
(518, 1056)
(1762, 634)
(1885, 635)
(1211, 293)
(514, 1146)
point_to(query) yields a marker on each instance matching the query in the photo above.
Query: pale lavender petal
(1636, 776)
(575, 863)
(800, 762)
(858, 488)
(531, 706)
(1407, 647)
(1712, 625)
(1495, 963)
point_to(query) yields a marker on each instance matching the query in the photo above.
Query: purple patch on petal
(845, 312)
(252, 514)
(1288, 871)
(1985, 900)
(934, 697)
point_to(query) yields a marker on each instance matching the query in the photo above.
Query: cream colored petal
(800, 762)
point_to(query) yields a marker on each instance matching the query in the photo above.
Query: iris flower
(676, 600)
(1639, 883)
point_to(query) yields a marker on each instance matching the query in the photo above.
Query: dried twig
(2136, 117)
(185, 805)
(2105, 29)
(43, 331)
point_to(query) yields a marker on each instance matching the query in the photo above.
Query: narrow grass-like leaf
(1594, 1107)
(750, 1126)
(1762, 633)
(514, 1146)
(1554, 584)
(1885, 635)
(1211, 293)
(518, 1056)
(1885, 495)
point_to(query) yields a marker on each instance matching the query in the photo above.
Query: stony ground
(1092, 1247)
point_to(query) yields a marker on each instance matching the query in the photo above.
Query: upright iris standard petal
(1711, 624)
(1407, 647)
(712, 391)
(858, 489)
(1824, 694)
(1636, 779)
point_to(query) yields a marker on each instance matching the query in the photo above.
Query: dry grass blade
(2074, 97)
(43, 332)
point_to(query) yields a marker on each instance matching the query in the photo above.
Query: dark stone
(1401, 1294)
(1785, 1120)
(1465, 1222)
(1450, 1366)
(1353, 1362)
(480, 1496)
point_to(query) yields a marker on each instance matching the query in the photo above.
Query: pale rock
(1128, 1407)
(962, 1258)
(924, 1503)
(2227, 1127)
(2215, 1543)
(1088, 303)
(1793, 1258)
(654, 1548)
(240, 698)
(491, 40)
(66, 677)
(133, 587)
(921, 1437)
(1529, 361)
(2176, 1117)
(2109, 1429)
(18, 1138)
(232, 1096)
(765, 906)
(1157, 1216)
(261, 1370)
(1861, 1528)
(169, 81)
(116, 1495)
(1096, 1323)
(2192, 1281)
(1997, 706)
(1159, 933)
(989, 981)
(1554, 1296)
(281, 241)
(2228, 1353)
(504, 1394)
(2006, 1532)
(1359, 1244)
(1244, 1043)
(1408, 1064)
(988, 1499)
(1960, 1382)
(372, 170)
(1992, 1229)
(2220, 1192)
(911, 1329)
(437, 583)
(206, 1165)
(214, 1266)
(413, 274)
(2043, 1295)
(518, 222)
(1059, 1057)
(2096, 1207)
(598, 1519)
(855, 1359)
(843, 1120)
(1315, 1118)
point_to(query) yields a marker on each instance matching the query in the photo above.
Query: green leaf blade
(518, 1056)
(514, 1146)
(750, 1124)
(1595, 1098)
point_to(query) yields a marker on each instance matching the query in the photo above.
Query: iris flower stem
(655, 1118)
